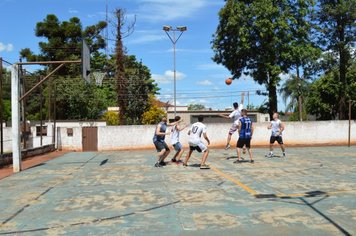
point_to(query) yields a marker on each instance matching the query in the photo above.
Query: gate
(90, 139)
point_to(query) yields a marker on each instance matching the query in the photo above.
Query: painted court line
(256, 194)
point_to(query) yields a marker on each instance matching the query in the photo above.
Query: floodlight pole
(174, 41)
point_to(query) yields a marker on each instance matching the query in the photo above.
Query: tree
(336, 19)
(256, 38)
(154, 114)
(196, 107)
(323, 97)
(291, 90)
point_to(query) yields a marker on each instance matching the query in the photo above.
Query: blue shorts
(178, 146)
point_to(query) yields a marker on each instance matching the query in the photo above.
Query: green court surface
(310, 192)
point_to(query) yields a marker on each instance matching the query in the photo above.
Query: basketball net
(99, 77)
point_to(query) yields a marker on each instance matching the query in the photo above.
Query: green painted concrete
(121, 193)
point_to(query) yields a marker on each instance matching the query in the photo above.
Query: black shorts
(276, 138)
(161, 145)
(242, 142)
(196, 148)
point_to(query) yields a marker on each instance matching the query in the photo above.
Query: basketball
(228, 81)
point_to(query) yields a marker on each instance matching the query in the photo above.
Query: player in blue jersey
(245, 129)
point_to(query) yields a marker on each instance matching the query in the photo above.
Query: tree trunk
(342, 73)
(120, 71)
(272, 95)
(300, 107)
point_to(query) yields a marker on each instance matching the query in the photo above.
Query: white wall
(140, 137)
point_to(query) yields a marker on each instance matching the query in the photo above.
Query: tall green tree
(291, 90)
(254, 37)
(336, 19)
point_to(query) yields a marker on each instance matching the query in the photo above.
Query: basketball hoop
(99, 77)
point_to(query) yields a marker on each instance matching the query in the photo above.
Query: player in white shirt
(175, 139)
(234, 116)
(277, 128)
(195, 143)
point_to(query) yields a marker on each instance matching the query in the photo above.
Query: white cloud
(168, 10)
(205, 82)
(73, 11)
(6, 47)
(168, 77)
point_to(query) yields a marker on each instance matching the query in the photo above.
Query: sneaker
(162, 163)
(185, 165)
(252, 161)
(174, 160)
(238, 161)
(157, 165)
(284, 154)
(269, 155)
(227, 147)
(204, 167)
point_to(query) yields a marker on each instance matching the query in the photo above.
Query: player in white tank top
(178, 147)
(277, 128)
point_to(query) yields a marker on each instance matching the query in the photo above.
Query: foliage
(153, 115)
(263, 39)
(323, 98)
(111, 118)
(291, 89)
(196, 107)
(336, 21)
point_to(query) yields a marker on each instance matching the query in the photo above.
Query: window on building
(38, 130)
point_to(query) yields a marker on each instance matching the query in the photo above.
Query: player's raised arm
(225, 116)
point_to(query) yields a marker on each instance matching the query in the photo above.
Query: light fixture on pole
(174, 40)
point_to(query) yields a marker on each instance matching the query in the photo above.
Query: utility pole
(350, 113)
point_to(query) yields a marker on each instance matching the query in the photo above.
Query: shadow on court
(310, 192)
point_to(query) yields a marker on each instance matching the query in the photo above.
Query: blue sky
(200, 80)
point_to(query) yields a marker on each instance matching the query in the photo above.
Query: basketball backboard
(86, 62)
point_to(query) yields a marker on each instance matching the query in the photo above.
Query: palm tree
(291, 90)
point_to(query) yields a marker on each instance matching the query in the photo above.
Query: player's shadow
(194, 165)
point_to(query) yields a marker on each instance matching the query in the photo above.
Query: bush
(111, 118)
(153, 115)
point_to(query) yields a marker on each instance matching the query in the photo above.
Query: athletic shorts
(242, 142)
(200, 147)
(276, 138)
(178, 146)
(161, 145)
(233, 129)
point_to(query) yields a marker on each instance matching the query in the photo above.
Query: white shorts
(200, 147)
(233, 128)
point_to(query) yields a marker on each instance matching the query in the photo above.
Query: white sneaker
(227, 147)
(269, 155)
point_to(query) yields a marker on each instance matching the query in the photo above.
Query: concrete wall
(140, 137)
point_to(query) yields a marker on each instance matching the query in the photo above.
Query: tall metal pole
(174, 73)
(1, 112)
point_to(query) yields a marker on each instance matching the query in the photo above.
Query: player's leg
(231, 132)
(248, 146)
(271, 142)
(281, 144)
(239, 145)
(188, 156)
(161, 151)
(204, 149)
(165, 154)
(179, 152)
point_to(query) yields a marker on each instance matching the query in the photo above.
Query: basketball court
(311, 192)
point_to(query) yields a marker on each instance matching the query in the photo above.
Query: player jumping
(277, 128)
(245, 129)
(195, 143)
(234, 115)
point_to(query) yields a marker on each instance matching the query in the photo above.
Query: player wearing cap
(234, 116)
(195, 143)
(277, 128)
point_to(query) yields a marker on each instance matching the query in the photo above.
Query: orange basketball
(228, 81)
